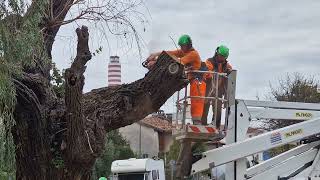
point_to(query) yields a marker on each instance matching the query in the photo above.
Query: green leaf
(116, 148)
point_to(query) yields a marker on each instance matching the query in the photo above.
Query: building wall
(149, 139)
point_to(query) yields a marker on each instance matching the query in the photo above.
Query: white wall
(149, 139)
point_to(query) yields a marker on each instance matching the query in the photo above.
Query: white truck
(138, 169)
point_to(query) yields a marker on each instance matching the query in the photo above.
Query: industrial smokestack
(114, 71)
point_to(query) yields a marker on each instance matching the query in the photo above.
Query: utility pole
(140, 155)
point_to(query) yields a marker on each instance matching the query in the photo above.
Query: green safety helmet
(103, 178)
(184, 40)
(223, 51)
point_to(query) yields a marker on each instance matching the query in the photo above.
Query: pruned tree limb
(91, 116)
(110, 108)
(74, 78)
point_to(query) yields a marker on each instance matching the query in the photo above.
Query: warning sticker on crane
(276, 138)
(293, 133)
(303, 115)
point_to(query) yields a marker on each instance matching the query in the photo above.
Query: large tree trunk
(61, 139)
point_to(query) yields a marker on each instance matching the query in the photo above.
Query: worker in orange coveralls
(189, 57)
(218, 63)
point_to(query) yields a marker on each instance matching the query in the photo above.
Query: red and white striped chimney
(114, 71)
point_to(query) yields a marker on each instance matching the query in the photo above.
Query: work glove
(149, 62)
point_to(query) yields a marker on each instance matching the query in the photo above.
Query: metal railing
(213, 95)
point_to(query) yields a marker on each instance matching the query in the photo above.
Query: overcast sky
(267, 39)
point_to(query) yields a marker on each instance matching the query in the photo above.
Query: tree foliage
(57, 81)
(117, 148)
(173, 153)
(20, 46)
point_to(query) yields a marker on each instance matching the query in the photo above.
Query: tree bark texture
(61, 138)
(184, 162)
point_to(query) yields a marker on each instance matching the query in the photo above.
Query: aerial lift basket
(184, 130)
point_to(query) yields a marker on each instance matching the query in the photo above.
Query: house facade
(149, 137)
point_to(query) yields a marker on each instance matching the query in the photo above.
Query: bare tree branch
(119, 16)
(294, 88)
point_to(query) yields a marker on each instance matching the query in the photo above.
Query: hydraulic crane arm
(246, 110)
(256, 144)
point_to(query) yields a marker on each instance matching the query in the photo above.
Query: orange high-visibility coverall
(224, 67)
(197, 87)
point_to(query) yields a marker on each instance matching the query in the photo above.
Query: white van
(138, 169)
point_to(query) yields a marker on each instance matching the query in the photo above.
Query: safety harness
(216, 65)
